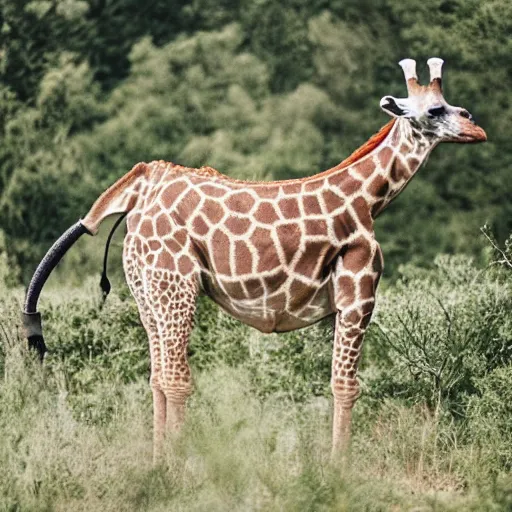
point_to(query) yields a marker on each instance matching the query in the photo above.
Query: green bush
(489, 418)
(295, 365)
(437, 332)
(87, 339)
(69, 430)
(9, 271)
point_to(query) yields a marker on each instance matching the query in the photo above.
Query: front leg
(356, 278)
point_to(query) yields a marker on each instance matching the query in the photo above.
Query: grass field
(76, 434)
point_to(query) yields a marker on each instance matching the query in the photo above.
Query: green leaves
(259, 91)
(443, 332)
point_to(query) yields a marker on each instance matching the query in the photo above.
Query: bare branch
(505, 261)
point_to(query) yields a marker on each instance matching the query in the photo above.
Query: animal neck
(380, 173)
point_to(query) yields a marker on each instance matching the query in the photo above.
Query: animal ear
(396, 107)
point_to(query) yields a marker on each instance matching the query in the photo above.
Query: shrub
(9, 271)
(443, 330)
(489, 415)
(295, 365)
(89, 341)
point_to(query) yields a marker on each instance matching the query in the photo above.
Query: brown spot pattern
(254, 287)
(289, 208)
(213, 210)
(220, 248)
(240, 202)
(366, 287)
(146, 228)
(360, 206)
(173, 246)
(312, 185)
(163, 225)
(365, 168)
(165, 260)
(268, 258)
(234, 290)
(376, 208)
(181, 236)
(277, 302)
(185, 265)
(354, 317)
(199, 226)
(316, 227)
(332, 201)
(213, 191)
(133, 221)
(378, 261)
(399, 171)
(299, 294)
(289, 236)
(413, 163)
(358, 256)
(243, 258)
(385, 155)
(171, 193)
(292, 188)
(274, 281)
(311, 205)
(344, 225)
(379, 186)
(187, 206)
(350, 185)
(154, 244)
(346, 291)
(237, 225)
(267, 192)
(266, 213)
(309, 258)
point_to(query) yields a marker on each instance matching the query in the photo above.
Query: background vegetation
(263, 90)
(256, 89)
(431, 431)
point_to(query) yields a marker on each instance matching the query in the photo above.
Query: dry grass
(68, 445)
(235, 453)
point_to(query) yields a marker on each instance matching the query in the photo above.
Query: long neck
(381, 174)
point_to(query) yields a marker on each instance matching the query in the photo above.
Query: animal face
(427, 110)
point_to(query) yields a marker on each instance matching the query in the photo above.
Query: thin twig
(505, 259)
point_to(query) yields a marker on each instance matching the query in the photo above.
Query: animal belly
(290, 306)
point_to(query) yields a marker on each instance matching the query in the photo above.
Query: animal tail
(104, 281)
(121, 197)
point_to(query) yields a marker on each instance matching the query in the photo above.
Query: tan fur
(119, 198)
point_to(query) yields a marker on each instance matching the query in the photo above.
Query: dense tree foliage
(255, 89)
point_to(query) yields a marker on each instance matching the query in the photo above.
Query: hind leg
(171, 298)
(159, 403)
(135, 282)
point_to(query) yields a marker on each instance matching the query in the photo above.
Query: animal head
(427, 110)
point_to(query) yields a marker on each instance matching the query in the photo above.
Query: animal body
(276, 255)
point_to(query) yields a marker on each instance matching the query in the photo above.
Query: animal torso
(267, 251)
(264, 252)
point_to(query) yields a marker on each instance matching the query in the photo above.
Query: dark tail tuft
(36, 342)
(34, 333)
(105, 285)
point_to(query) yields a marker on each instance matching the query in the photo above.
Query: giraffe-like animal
(276, 255)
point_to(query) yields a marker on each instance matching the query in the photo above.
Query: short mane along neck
(373, 142)
(384, 165)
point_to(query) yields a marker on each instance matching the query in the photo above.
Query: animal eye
(466, 114)
(436, 111)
